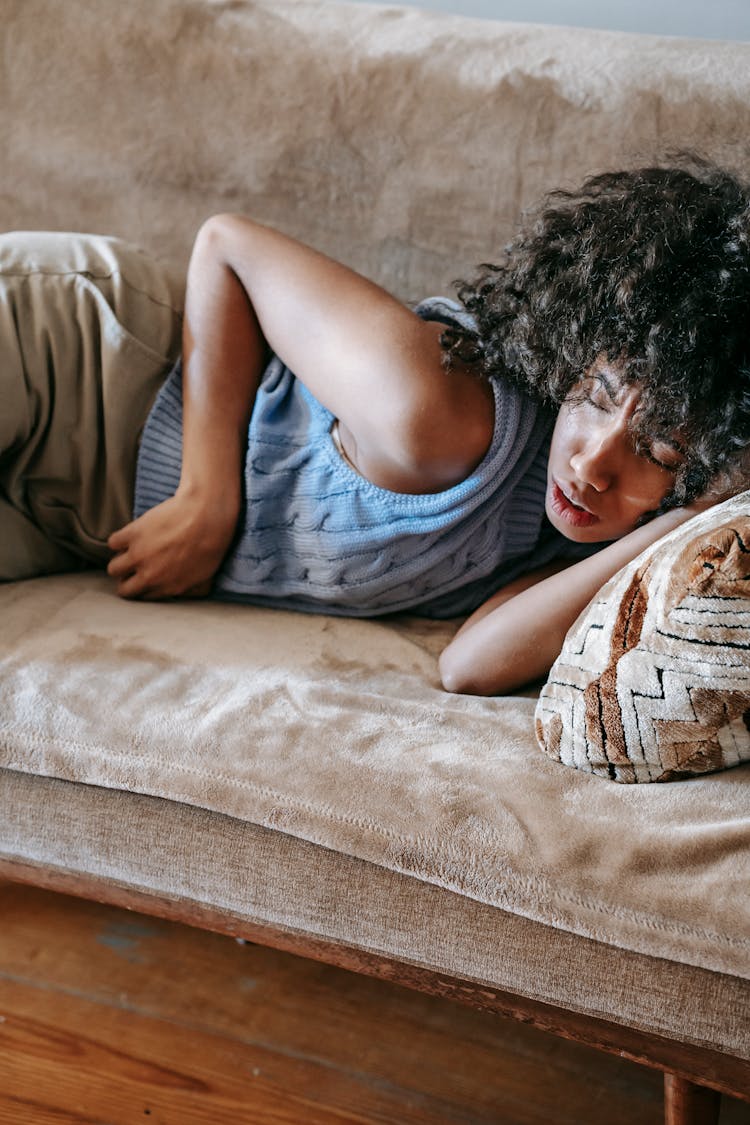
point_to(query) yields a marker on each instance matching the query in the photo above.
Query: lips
(570, 512)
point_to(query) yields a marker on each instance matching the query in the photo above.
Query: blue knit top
(316, 535)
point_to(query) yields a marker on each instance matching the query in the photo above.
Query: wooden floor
(107, 1017)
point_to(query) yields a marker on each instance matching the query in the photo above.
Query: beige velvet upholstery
(336, 731)
(400, 141)
(222, 754)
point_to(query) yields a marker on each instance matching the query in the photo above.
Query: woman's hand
(173, 550)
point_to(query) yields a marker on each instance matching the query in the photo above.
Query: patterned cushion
(653, 682)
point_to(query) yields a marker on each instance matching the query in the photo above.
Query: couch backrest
(401, 141)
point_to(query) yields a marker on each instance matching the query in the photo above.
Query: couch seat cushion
(336, 731)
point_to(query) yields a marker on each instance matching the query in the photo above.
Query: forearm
(511, 590)
(519, 640)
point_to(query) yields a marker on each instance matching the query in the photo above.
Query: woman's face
(598, 485)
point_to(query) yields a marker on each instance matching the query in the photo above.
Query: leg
(25, 551)
(88, 329)
(686, 1103)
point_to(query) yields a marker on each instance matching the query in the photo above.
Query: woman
(433, 438)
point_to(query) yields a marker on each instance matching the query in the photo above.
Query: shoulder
(462, 427)
(463, 402)
(441, 428)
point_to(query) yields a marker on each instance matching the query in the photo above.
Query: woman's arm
(520, 637)
(176, 547)
(406, 423)
(364, 355)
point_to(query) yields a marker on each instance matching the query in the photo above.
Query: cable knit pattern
(316, 535)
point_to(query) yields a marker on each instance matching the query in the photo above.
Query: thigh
(89, 326)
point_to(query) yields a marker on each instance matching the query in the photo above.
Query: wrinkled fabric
(335, 730)
(89, 327)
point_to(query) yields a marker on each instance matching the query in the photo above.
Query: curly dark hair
(649, 268)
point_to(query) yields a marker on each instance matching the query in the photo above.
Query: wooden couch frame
(694, 1077)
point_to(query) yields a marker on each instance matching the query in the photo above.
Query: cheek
(653, 482)
(563, 437)
(648, 485)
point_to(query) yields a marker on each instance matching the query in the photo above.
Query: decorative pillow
(653, 681)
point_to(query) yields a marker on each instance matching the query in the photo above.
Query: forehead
(645, 420)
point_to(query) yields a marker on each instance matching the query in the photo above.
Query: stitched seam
(89, 274)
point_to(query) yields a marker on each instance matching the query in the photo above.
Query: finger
(120, 566)
(133, 586)
(137, 588)
(119, 540)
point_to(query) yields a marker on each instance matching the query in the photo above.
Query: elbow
(469, 669)
(460, 676)
(450, 677)
(211, 228)
(220, 220)
(210, 242)
(218, 233)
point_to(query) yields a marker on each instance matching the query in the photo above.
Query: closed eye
(600, 393)
(594, 390)
(661, 453)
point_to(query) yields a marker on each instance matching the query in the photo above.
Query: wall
(704, 19)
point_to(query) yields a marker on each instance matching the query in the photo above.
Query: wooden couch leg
(686, 1103)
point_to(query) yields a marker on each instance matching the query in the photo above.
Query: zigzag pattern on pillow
(653, 682)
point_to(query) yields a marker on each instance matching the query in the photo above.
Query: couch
(301, 780)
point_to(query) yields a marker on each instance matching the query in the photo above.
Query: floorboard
(111, 1018)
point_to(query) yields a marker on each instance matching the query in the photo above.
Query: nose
(598, 458)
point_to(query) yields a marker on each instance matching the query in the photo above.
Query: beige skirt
(89, 327)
